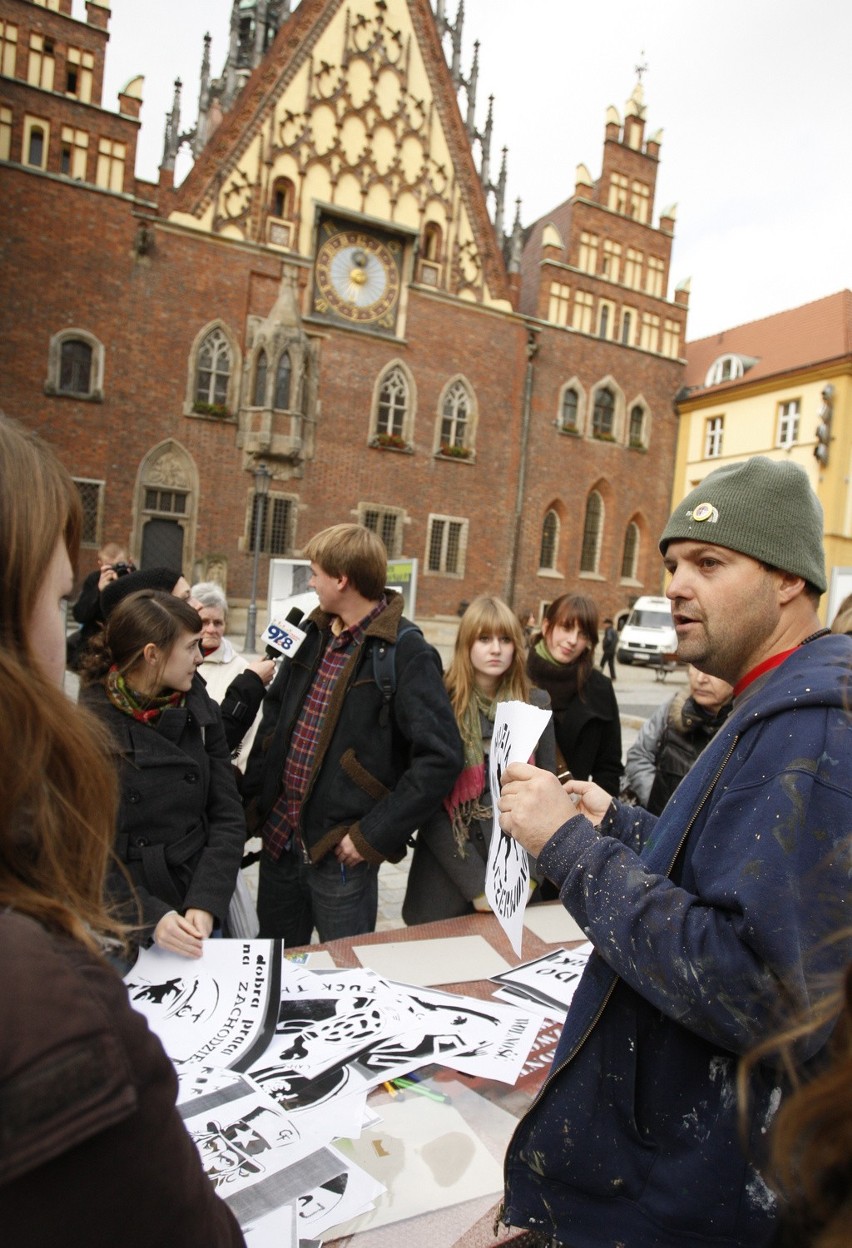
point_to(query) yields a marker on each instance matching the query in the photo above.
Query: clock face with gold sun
(356, 277)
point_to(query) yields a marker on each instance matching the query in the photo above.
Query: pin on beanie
(763, 508)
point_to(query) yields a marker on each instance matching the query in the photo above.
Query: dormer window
(726, 368)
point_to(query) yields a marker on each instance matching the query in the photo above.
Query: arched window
(592, 533)
(282, 383)
(455, 416)
(213, 371)
(637, 425)
(570, 409)
(283, 198)
(725, 368)
(260, 370)
(549, 541)
(75, 367)
(393, 404)
(626, 328)
(630, 556)
(603, 415)
(432, 241)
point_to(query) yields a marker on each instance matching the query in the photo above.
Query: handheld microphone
(283, 637)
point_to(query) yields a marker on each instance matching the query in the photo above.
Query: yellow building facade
(780, 387)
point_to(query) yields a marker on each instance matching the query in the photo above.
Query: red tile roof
(795, 339)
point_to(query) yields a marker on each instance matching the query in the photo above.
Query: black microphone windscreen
(295, 616)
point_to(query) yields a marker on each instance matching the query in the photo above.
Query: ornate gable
(352, 111)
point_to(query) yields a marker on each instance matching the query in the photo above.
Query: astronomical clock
(357, 276)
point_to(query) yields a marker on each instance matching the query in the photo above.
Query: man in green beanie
(711, 923)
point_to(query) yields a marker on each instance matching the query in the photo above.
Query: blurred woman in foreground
(92, 1149)
(810, 1139)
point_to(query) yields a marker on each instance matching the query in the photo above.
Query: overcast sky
(754, 98)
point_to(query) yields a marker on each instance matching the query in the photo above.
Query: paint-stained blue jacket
(707, 923)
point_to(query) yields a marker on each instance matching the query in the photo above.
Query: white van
(649, 634)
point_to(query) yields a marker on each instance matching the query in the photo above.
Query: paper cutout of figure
(517, 728)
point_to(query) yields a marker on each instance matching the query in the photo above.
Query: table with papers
(365, 1090)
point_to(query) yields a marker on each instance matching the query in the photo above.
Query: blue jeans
(293, 898)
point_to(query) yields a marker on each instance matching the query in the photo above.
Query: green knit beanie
(764, 508)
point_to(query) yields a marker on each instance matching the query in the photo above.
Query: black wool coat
(588, 727)
(181, 830)
(378, 770)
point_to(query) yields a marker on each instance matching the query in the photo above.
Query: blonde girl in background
(447, 875)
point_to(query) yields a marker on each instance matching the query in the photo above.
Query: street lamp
(262, 477)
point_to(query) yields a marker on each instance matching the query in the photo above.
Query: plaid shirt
(283, 819)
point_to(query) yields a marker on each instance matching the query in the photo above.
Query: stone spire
(516, 241)
(171, 136)
(500, 197)
(470, 84)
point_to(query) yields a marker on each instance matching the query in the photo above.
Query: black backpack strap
(384, 669)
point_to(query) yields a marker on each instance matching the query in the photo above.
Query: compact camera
(122, 569)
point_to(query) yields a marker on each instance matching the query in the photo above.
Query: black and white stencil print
(517, 728)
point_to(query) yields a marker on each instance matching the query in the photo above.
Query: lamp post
(262, 477)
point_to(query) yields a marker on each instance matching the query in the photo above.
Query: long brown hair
(486, 617)
(582, 611)
(59, 798)
(810, 1162)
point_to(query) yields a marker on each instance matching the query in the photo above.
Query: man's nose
(677, 586)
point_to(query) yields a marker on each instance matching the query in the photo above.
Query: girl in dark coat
(585, 712)
(447, 874)
(181, 830)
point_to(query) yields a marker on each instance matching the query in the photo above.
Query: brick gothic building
(331, 292)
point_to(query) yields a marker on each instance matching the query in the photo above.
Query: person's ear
(151, 654)
(790, 587)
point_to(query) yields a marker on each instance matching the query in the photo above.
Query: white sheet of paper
(212, 1009)
(427, 1156)
(277, 1230)
(453, 960)
(492, 1041)
(552, 923)
(551, 980)
(545, 1013)
(346, 1196)
(517, 728)
(242, 1141)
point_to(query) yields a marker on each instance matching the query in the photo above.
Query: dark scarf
(560, 680)
(132, 703)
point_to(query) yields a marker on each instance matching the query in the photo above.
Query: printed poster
(517, 728)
